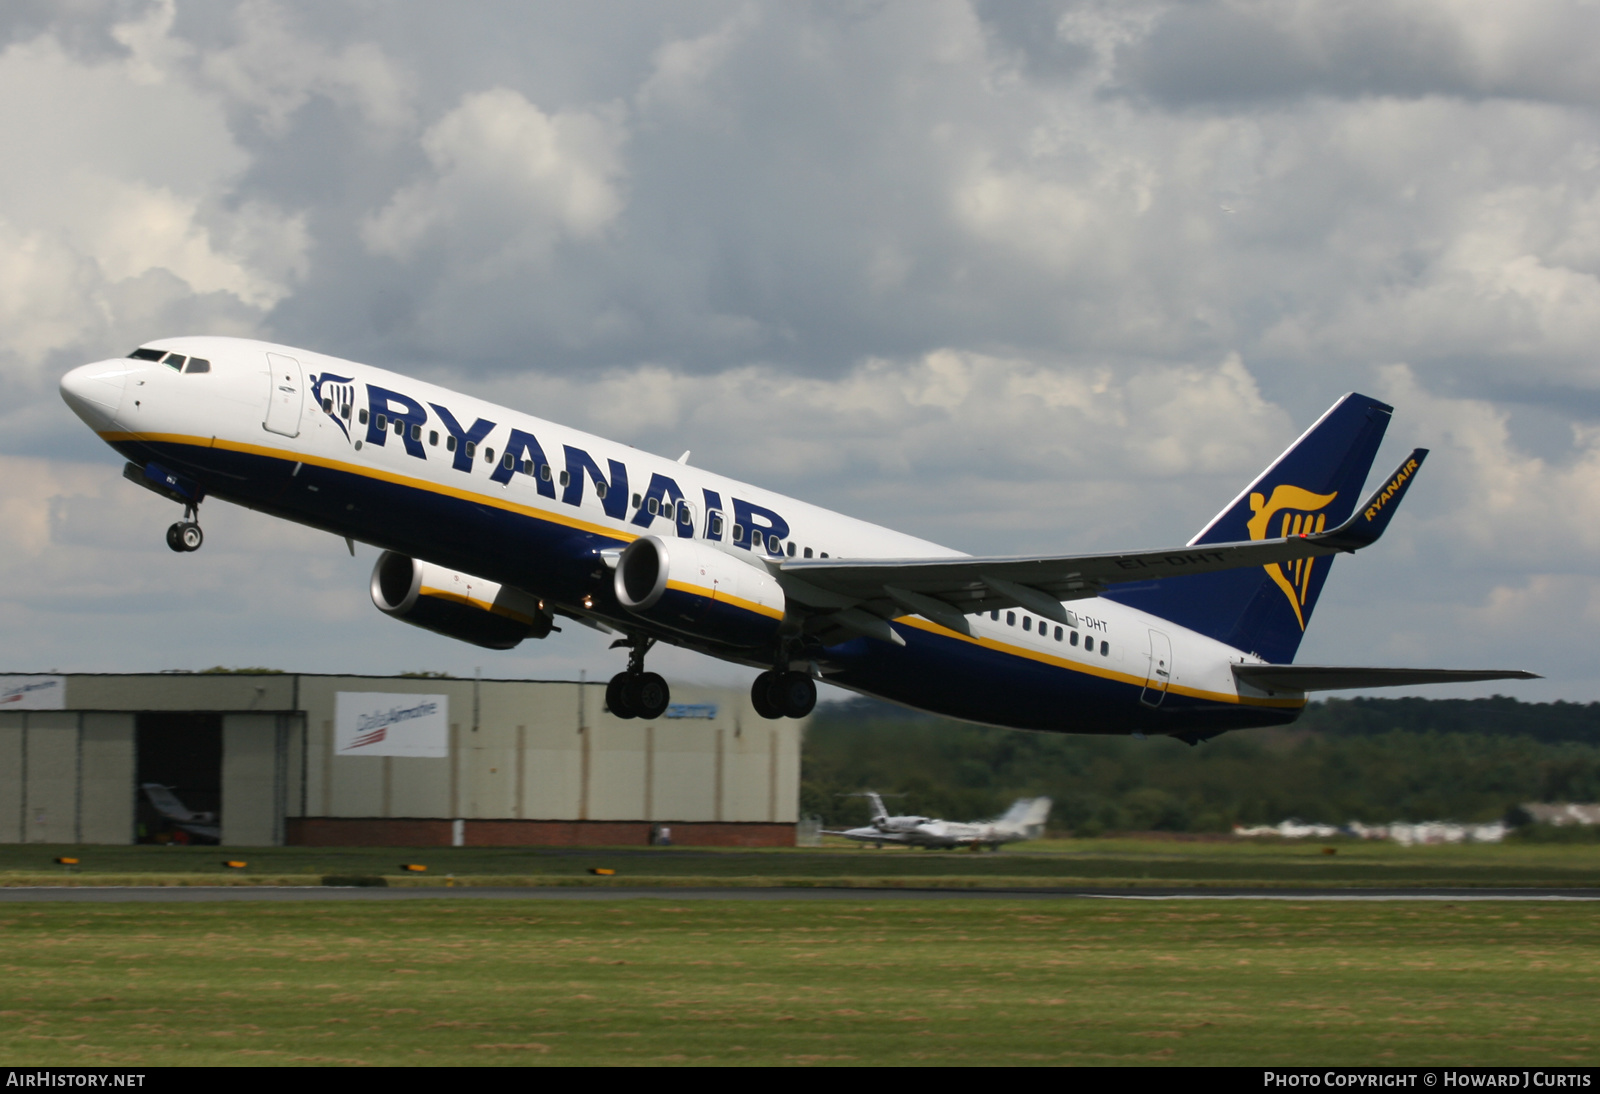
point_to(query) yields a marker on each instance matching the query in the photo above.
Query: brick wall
(409, 832)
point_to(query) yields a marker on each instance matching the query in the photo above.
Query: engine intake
(693, 587)
(458, 606)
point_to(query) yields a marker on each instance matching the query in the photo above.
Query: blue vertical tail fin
(1313, 486)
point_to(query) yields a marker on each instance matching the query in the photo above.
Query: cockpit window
(197, 364)
(175, 361)
(145, 353)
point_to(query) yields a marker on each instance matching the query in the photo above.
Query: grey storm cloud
(1204, 55)
(1012, 276)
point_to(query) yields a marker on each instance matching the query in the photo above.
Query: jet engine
(699, 589)
(458, 606)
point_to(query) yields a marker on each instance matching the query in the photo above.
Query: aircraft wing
(1338, 677)
(863, 592)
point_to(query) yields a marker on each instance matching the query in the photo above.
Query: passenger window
(685, 516)
(327, 406)
(714, 526)
(344, 412)
(738, 533)
(544, 472)
(1011, 619)
(808, 552)
(1105, 648)
(175, 361)
(399, 427)
(472, 449)
(449, 442)
(565, 478)
(772, 545)
(200, 364)
(791, 548)
(636, 501)
(995, 615)
(416, 433)
(1074, 639)
(526, 467)
(1058, 634)
(433, 437)
(488, 455)
(1027, 622)
(599, 489)
(363, 416)
(824, 554)
(509, 461)
(654, 506)
(383, 421)
(143, 354)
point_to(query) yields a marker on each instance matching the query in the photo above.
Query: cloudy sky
(1014, 277)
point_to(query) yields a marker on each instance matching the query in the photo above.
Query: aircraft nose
(94, 392)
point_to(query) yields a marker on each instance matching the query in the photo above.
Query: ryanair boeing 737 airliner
(494, 524)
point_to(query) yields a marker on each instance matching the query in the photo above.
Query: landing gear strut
(636, 693)
(778, 694)
(186, 534)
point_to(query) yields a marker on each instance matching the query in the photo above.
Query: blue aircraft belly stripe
(1089, 668)
(376, 473)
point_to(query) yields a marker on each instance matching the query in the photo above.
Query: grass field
(1267, 863)
(833, 982)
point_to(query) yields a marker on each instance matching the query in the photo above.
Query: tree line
(1372, 760)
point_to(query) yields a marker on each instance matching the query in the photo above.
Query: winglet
(1369, 521)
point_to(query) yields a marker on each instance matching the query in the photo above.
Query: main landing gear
(636, 693)
(186, 534)
(778, 694)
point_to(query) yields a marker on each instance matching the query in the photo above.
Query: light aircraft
(1023, 821)
(494, 523)
(204, 825)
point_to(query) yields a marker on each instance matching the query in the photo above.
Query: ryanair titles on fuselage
(390, 412)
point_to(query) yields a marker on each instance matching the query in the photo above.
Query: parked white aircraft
(1023, 821)
(495, 523)
(204, 825)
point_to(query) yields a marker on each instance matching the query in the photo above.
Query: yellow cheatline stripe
(380, 475)
(720, 597)
(458, 598)
(1089, 668)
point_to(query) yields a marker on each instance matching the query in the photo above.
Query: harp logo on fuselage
(1300, 514)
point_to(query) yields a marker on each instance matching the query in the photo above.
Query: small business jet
(494, 524)
(1023, 821)
(204, 825)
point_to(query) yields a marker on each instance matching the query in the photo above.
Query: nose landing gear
(636, 693)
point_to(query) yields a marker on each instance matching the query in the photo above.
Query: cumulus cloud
(508, 179)
(121, 211)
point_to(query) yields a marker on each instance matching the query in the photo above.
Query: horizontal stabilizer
(1340, 677)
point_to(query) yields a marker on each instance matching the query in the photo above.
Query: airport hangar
(314, 760)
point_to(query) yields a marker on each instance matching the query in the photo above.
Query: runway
(192, 894)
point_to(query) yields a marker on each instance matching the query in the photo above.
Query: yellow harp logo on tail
(1299, 509)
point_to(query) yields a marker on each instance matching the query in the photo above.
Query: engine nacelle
(696, 588)
(458, 606)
